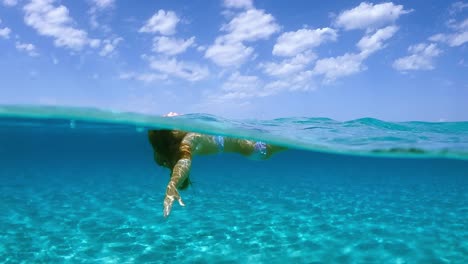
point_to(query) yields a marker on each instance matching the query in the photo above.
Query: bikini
(259, 153)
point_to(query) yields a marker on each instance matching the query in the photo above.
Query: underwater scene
(233, 131)
(81, 186)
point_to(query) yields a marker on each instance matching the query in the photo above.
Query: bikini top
(259, 153)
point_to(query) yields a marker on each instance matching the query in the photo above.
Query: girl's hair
(166, 145)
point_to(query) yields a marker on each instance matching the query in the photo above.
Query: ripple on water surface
(307, 223)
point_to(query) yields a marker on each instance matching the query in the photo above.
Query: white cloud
(143, 77)
(5, 32)
(94, 43)
(103, 4)
(10, 2)
(294, 42)
(463, 25)
(250, 25)
(335, 67)
(365, 16)
(29, 48)
(453, 40)
(238, 82)
(301, 81)
(185, 70)
(163, 22)
(109, 46)
(370, 16)
(351, 63)
(238, 3)
(458, 7)
(371, 43)
(288, 66)
(458, 38)
(97, 6)
(239, 86)
(54, 21)
(421, 58)
(228, 54)
(93, 21)
(171, 46)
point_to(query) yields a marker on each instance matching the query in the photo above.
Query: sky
(241, 59)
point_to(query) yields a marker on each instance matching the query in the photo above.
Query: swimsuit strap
(219, 142)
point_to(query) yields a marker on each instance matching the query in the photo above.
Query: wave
(365, 136)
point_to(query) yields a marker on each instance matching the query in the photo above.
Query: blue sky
(401, 60)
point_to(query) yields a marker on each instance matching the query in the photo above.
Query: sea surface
(80, 186)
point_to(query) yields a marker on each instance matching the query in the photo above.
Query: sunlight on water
(76, 191)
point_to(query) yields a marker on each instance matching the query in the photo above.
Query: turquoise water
(366, 136)
(80, 186)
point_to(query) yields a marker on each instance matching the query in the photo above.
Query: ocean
(80, 186)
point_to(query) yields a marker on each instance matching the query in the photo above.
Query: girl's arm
(180, 172)
(203, 145)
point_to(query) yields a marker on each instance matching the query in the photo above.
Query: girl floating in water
(174, 149)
